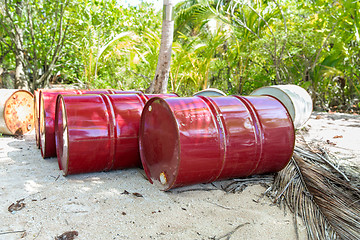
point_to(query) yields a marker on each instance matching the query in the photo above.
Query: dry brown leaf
(338, 136)
(67, 235)
(137, 194)
(331, 143)
(16, 206)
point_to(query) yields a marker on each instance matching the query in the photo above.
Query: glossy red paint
(98, 132)
(186, 141)
(47, 117)
(162, 95)
(36, 118)
(37, 111)
(126, 92)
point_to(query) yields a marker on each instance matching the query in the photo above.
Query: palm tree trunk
(160, 81)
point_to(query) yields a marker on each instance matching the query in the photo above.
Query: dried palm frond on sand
(315, 189)
(326, 196)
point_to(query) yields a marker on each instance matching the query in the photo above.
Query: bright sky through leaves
(157, 3)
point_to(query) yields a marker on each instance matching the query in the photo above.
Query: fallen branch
(3, 233)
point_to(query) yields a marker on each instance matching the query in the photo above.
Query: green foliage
(32, 31)
(236, 46)
(312, 44)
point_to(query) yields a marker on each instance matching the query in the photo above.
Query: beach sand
(124, 205)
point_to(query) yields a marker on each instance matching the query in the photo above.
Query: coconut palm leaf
(328, 204)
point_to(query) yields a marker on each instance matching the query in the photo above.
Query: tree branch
(322, 46)
(35, 59)
(140, 75)
(12, 21)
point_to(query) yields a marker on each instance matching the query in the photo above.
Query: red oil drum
(193, 140)
(38, 116)
(47, 117)
(98, 132)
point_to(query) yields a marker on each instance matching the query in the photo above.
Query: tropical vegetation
(234, 45)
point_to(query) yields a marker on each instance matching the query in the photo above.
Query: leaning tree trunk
(160, 81)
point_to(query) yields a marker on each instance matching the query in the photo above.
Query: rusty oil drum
(99, 132)
(16, 111)
(47, 117)
(193, 140)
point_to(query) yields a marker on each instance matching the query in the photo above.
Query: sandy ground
(96, 207)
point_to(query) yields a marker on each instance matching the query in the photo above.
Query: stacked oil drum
(177, 140)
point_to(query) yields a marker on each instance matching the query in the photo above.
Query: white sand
(93, 204)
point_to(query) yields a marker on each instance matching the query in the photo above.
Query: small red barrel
(47, 117)
(98, 132)
(193, 140)
(37, 103)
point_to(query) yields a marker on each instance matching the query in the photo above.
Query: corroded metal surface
(202, 139)
(17, 111)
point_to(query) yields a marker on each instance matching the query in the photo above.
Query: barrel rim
(60, 102)
(36, 116)
(42, 126)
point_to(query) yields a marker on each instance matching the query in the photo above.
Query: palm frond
(328, 204)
